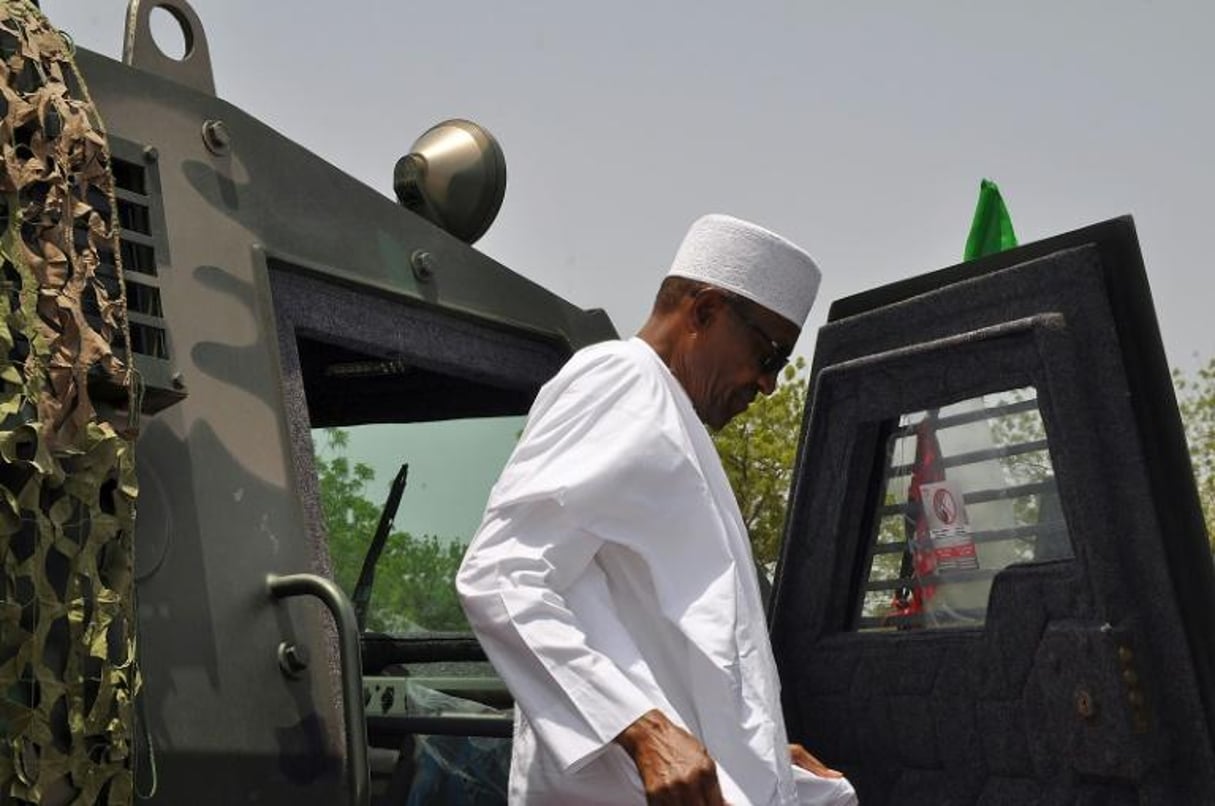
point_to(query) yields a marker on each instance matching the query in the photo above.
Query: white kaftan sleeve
(593, 446)
(575, 697)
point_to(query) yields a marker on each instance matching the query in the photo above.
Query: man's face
(736, 353)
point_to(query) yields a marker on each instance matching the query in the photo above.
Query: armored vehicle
(994, 587)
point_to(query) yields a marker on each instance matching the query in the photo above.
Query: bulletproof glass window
(452, 464)
(380, 383)
(967, 490)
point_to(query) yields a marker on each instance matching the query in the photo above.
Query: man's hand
(802, 758)
(675, 767)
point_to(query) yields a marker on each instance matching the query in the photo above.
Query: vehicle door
(995, 584)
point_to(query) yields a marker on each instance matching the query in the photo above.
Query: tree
(1196, 399)
(415, 576)
(350, 519)
(757, 449)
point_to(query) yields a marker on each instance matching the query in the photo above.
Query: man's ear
(704, 306)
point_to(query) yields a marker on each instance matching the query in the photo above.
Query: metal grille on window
(968, 490)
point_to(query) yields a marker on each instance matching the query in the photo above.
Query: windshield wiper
(362, 589)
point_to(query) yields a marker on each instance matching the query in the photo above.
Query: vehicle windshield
(453, 464)
(452, 468)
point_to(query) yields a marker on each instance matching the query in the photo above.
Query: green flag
(992, 229)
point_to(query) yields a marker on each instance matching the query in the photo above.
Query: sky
(858, 130)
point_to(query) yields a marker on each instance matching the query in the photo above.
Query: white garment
(612, 574)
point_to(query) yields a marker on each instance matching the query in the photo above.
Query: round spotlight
(455, 177)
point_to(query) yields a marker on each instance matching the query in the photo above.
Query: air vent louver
(139, 217)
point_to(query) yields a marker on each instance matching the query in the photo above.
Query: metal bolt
(216, 137)
(150, 154)
(423, 264)
(1086, 707)
(293, 659)
(178, 380)
(1125, 654)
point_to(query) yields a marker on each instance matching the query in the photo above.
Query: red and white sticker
(948, 526)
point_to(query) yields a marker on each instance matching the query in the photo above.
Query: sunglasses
(777, 356)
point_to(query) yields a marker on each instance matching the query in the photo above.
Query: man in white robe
(612, 583)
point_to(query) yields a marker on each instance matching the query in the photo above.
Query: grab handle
(357, 769)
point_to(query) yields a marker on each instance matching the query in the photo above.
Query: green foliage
(757, 449)
(1196, 399)
(415, 577)
(1022, 468)
(416, 586)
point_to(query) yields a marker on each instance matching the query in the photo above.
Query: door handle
(357, 769)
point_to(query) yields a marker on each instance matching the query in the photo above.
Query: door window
(968, 491)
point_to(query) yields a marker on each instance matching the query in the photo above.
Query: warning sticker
(952, 542)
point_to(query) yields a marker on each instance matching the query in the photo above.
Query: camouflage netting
(67, 480)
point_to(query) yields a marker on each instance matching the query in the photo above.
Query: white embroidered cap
(750, 261)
